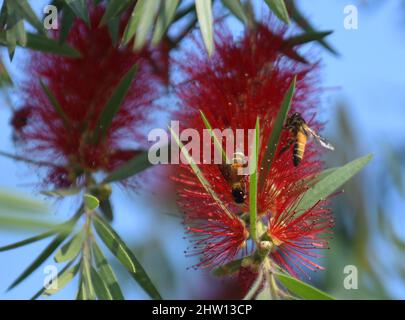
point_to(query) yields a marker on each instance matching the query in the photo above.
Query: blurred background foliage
(364, 114)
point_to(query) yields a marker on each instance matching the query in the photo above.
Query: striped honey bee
(232, 176)
(301, 133)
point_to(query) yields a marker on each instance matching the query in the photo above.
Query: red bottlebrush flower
(82, 86)
(297, 237)
(243, 80)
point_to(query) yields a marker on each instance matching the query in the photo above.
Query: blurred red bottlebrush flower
(82, 87)
(243, 80)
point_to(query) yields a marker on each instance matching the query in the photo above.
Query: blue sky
(368, 76)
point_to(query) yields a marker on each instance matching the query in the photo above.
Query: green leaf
(5, 78)
(79, 7)
(21, 223)
(26, 11)
(204, 14)
(106, 209)
(133, 22)
(306, 25)
(307, 37)
(253, 162)
(330, 183)
(217, 144)
(27, 241)
(71, 249)
(166, 15)
(207, 186)
(62, 280)
(62, 192)
(137, 164)
(301, 289)
(68, 17)
(227, 269)
(236, 7)
(91, 202)
(279, 9)
(48, 250)
(42, 290)
(55, 103)
(107, 273)
(149, 12)
(113, 105)
(39, 260)
(88, 290)
(100, 287)
(114, 30)
(121, 251)
(42, 43)
(20, 203)
(114, 9)
(272, 144)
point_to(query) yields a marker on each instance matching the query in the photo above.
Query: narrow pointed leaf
(106, 209)
(279, 8)
(71, 249)
(21, 223)
(63, 279)
(137, 164)
(55, 103)
(62, 193)
(100, 287)
(27, 241)
(205, 183)
(146, 21)
(26, 11)
(79, 7)
(307, 37)
(113, 104)
(204, 14)
(133, 22)
(87, 280)
(67, 20)
(253, 162)
(217, 143)
(301, 289)
(107, 273)
(331, 183)
(5, 78)
(166, 15)
(236, 7)
(16, 202)
(121, 251)
(114, 9)
(276, 133)
(114, 30)
(44, 44)
(39, 260)
(60, 274)
(299, 18)
(44, 255)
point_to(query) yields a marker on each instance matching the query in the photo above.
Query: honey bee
(232, 176)
(301, 133)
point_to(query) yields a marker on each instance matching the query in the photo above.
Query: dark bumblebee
(232, 176)
(301, 132)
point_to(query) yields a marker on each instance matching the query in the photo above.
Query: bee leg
(286, 147)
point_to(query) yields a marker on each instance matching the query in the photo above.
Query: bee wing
(322, 141)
